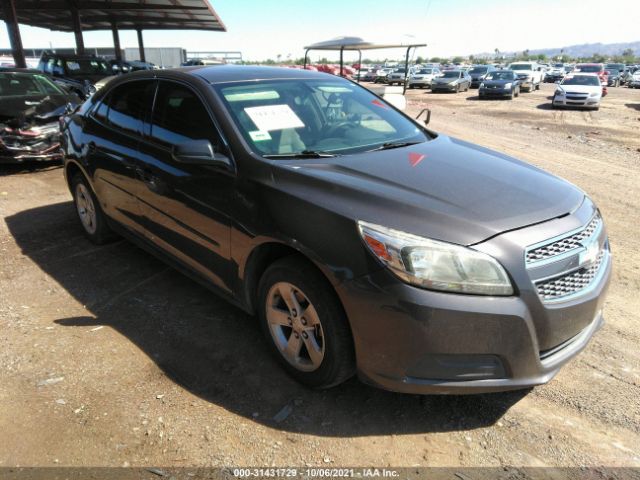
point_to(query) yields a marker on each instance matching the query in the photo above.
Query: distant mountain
(583, 50)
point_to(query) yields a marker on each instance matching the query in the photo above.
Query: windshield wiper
(303, 154)
(390, 145)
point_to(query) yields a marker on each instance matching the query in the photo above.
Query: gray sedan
(451, 81)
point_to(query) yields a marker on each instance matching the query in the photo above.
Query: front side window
(180, 116)
(129, 106)
(287, 117)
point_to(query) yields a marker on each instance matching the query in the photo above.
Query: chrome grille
(571, 283)
(565, 244)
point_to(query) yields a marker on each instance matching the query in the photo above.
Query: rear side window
(128, 106)
(179, 116)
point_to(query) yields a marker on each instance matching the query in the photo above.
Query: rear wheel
(92, 218)
(304, 323)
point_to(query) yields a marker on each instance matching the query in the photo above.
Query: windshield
(20, 84)
(425, 71)
(288, 117)
(478, 70)
(451, 74)
(523, 66)
(83, 66)
(501, 76)
(582, 80)
(558, 65)
(590, 68)
(613, 72)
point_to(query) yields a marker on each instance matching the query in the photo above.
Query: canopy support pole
(141, 45)
(306, 55)
(14, 33)
(341, 51)
(359, 64)
(116, 41)
(406, 71)
(77, 28)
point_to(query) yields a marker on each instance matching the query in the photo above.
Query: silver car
(422, 78)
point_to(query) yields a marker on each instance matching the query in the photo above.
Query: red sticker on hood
(415, 158)
(378, 103)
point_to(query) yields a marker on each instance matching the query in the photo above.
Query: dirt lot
(110, 358)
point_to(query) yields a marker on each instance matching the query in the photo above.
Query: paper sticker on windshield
(259, 136)
(274, 117)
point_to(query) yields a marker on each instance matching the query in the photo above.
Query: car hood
(497, 82)
(42, 108)
(582, 88)
(444, 189)
(445, 80)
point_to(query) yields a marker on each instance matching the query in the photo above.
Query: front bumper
(564, 101)
(420, 82)
(413, 340)
(443, 87)
(495, 92)
(634, 84)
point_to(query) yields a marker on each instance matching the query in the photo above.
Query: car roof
(240, 73)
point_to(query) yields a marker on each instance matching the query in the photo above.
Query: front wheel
(304, 323)
(91, 216)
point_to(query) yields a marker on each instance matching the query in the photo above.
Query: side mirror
(427, 117)
(199, 152)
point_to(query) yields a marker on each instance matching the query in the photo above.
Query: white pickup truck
(529, 73)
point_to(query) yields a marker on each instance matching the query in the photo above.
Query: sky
(263, 29)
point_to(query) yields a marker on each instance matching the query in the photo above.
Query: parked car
(370, 75)
(620, 67)
(451, 81)
(121, 66)
(578, 90)
(362, 241)
(398, 76)
(500, 83)
(614, 78)
(478, 74)
(76, 73)
(635, 80)
(423, 77)
(30, 106)
(556, 73)
(529, 73)
(381, 75)
(596, 68)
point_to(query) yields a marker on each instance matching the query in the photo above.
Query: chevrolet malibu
(363, 241)
(578, 90)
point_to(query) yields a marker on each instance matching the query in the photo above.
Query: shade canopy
(357, 43)
(126, 14)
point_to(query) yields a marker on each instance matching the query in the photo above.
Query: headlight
(559, 92)
(435, 265)
(595, 94)
(507, 85)
(482, 85)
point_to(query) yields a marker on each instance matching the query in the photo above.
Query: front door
(186, 206)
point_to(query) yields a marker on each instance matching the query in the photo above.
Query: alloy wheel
(295, 327)
(86, 208)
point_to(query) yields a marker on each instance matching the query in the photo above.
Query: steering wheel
(340, 127)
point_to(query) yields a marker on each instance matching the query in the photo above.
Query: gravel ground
(109, 358)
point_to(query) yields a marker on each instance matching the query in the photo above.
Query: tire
(90, 214)
(316, 314)
(411, 87)
(538, 86)
(517, 92)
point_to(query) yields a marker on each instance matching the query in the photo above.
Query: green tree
(457, 60)
(436, 60)
(419, 59)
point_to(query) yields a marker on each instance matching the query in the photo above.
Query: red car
(597, 68)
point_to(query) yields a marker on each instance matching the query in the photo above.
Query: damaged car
(30, 107)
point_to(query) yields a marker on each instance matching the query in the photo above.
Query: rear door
(186, 206)
(113, 132)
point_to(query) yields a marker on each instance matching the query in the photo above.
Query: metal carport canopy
(357, 44)
(80, 15)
